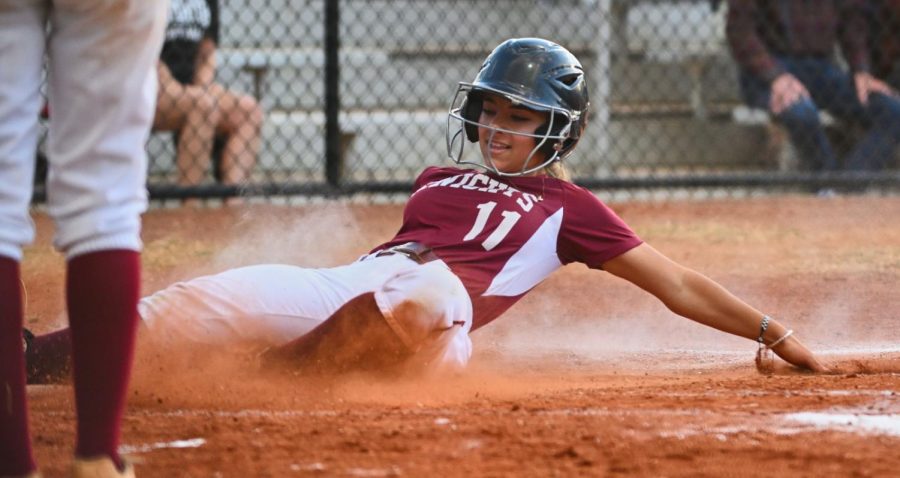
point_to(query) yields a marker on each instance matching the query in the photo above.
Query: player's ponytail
(558, 170)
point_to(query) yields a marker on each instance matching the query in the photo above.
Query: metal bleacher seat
(686, 37)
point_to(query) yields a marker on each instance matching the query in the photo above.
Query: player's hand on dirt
(786, 90)
(792, 351)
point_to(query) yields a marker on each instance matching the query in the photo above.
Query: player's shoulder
(436, 173)
(442, 171)
(574, 192)
(581, 202)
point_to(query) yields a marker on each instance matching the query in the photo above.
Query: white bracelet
(782, 339)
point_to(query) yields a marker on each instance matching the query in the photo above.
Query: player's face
(501, 147)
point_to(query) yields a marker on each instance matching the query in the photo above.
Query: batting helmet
(530, 72)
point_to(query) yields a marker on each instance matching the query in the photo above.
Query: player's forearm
(702, 300)
(705, 301)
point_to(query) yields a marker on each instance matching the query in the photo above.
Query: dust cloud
(315, 236)
(835, 292)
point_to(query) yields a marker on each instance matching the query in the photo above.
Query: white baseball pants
(426, 304)
(101, 85)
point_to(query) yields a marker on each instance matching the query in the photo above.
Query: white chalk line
(879, 424)
(784, 424)
(864, 424)
(135, 449)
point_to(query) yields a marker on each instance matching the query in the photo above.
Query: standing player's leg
(21, 56)
(102, 91)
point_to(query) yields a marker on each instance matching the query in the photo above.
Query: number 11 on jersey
(484, 212)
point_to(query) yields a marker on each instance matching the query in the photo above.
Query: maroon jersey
(504, 235)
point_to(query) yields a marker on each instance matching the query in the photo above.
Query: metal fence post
(333, 152)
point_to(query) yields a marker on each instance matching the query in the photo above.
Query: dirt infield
(587, 376)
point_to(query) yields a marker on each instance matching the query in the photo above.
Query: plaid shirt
(757, 30)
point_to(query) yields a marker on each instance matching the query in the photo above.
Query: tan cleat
(102, 467)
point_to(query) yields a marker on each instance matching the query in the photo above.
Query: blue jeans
(832, 90)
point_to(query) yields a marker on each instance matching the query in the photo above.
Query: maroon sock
(102, 291)
(49, 357)
(15, 445)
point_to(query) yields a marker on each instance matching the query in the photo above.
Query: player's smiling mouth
(498, 147)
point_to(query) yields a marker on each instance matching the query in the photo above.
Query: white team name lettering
(494, 186)
(442, 182)
(483, 183)
(526, 202)
(464, 180)
(476, 181)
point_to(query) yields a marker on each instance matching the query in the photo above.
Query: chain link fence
(303, 97)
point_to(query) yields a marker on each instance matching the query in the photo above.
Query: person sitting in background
(784, 49)
(196, 108)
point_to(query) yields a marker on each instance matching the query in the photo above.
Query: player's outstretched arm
(699, 298)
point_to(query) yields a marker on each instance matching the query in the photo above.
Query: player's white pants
(427, 305)
(101, 85)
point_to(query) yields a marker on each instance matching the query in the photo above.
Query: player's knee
(16, 230)
(424, 302)
(437, 289)
(111, 223)
(88, 238)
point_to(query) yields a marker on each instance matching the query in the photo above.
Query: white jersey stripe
(532, 263)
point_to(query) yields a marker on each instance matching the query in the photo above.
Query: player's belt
(414, 250)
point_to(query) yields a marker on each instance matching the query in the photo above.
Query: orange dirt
(588, 376)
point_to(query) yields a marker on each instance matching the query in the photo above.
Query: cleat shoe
(102, 467)
(27, 339)
(31, 376)
(40, 369)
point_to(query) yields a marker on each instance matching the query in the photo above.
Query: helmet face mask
(466, 111)
(532, 73)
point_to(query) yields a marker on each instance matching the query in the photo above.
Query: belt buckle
(397, 250)
(409, 250)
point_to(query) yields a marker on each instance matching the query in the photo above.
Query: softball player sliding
(102, 89)
(472, 243)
